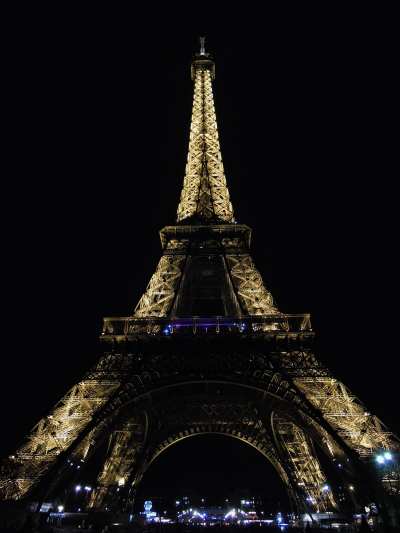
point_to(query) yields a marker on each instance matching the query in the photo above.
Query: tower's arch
(191, 458)
(264, 420)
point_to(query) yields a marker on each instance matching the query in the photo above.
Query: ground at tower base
(177, 518)
(97, 523)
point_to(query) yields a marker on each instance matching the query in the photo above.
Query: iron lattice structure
(206, 351)
(205, 193)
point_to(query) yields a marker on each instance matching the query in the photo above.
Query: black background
(97, 121)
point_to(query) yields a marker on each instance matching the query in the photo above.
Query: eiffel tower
(207, 350)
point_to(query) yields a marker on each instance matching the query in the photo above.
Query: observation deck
(122, 329)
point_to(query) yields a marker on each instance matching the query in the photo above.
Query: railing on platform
(274, 323)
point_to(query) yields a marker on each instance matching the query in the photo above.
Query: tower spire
(205, 195)
(202, 47)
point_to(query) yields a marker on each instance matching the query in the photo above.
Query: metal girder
(297, 466)
(305, 468)
(124, 446)
(53, 434)
(160, 291)
(249, 285)
(212, 414)
(259, 350)
(204, 192)
(361, 430)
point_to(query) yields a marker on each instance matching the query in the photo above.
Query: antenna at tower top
(202, 60)
(202, 48)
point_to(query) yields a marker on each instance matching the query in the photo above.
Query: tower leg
(125, 444)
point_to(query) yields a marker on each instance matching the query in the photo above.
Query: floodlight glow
(325, 488)
(60, 508)
(388, 456)
(380, 459)
(78, 488)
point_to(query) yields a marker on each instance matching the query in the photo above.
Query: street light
(384, 457)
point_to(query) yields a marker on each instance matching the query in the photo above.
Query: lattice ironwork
(264, 356)
(361, 430)
(228, 416)
(124, 446)
(160, 292)
(280, 325)
(252, 293)
(204, 192)
(54, 434)
(306, 469)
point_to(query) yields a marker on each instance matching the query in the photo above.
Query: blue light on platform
(167, 330)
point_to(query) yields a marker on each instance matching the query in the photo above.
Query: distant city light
(351, 487)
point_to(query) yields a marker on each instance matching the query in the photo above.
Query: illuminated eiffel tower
(206, 350)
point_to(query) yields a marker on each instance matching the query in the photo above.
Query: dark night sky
(97, 130)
